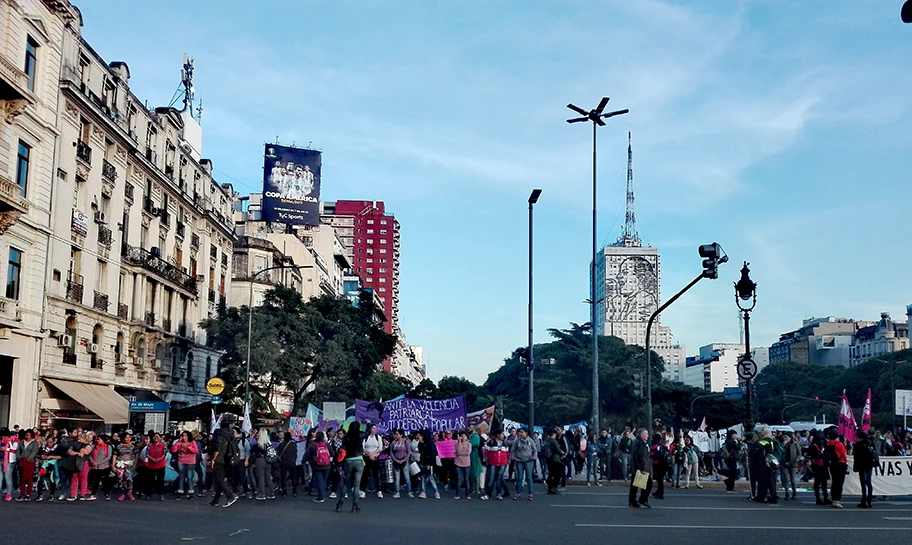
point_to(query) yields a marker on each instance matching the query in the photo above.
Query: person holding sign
(642, 470)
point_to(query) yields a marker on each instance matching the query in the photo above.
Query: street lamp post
(746, 291)
(250, 322)
(596, 117)
(530, 359)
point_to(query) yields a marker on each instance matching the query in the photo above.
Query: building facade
(370, 238)
(715, 368)
(880, 339)
(139, 252)
(31, 46)
(819, 341)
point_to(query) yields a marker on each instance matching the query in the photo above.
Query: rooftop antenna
(185, 90)
(630, 238)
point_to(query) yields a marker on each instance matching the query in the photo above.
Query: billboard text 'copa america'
(291, 185)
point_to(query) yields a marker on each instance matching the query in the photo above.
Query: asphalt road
(580, 514)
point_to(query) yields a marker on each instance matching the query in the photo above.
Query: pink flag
(703, 425)
(866, 414)
(847, 425)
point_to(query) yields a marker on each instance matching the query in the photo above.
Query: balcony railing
(74, 288)
(108, 171)
(123, 311)
(195, 241)
(128, 192)
(100, 302)
(11, 196)
(84, 152)
(148, 205)
(181, 229)
(104, 236)
(166, 324)
(145, 259)
(150, 319)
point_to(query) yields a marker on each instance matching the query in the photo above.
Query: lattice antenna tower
(631, 237)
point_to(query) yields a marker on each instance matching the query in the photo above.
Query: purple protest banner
(413, 414)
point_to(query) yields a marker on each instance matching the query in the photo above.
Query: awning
(101, 400)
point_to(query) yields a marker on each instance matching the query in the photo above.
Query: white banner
(892, 478)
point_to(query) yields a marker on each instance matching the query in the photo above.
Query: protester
(186, 451)
(866, 459)
(592, 460)
(659, 453)
(553, 455)
(28, 456)
(523, 452)
(497, 457)
(317, 454)
(691, 463)
(606, 453)
(223, 456)
(100, 468)
(640, 453)
(835, 458)
(8, 447)
(352, 455)
(731, 451)
(260, 454)
(428, 449)
(790, 457)
(373, 447)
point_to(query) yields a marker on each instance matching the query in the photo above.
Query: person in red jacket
(155, 466)
(838, 465)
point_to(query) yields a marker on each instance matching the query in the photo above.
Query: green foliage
(325, 342)
(426, 389)
(385, 385)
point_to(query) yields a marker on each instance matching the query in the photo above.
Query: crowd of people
(340, 464)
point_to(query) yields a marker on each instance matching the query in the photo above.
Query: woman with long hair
(373, 447)
(262, 468)
(319, 458)
(186, 450)
(866, 460)
(428, 450)
(353, 466)
(100, 467)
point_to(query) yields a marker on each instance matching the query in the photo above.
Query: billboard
(291, 185)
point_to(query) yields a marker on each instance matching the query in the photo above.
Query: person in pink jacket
(463, 463)
(186, 451)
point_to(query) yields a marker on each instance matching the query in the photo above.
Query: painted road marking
(695, 508)
(753, 527)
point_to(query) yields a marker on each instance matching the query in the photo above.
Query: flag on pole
(216, 422)
(866, 414)
(703, 425)
(246, 425)
(847, 425)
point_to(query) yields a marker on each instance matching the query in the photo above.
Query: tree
(426, 389)
(385, 385)
(450, 386)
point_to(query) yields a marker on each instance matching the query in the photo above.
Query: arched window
(175, 360)
(69, 350)
(119, 348)
(190, 365)
(95, 346)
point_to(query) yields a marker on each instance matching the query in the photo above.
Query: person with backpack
(866, 459)
(553, 455)
(661, 460)
(765, 468)
(691, 463)
(287, 461)
(317, 454)
(262, 456)
(836, 460)
(223, 457)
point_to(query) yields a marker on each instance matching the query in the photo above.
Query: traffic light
(712, 257)
(636, 380)
(523, 354)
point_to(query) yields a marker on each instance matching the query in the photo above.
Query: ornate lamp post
(746, 293)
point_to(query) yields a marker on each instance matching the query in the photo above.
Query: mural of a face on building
(635, 276)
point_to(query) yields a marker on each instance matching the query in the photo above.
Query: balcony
(181, 228)
(149, 206)
(145, 259)
(165, 219)
(108, 171)
(123, 311)
(166, 324)
(150, 319)
(195, 241)
(224, 260)
(104, 236)
(128, 192)
(100, 302)
(169, 171)
(182, 330)
(12, 204)
(74, 288)
(84, 153)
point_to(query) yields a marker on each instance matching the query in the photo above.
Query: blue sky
(779, 129)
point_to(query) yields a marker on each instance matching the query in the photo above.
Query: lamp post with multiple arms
(746, 292)
(250, 321)
(530, 359)
(597, 117)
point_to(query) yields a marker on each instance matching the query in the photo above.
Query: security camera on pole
(713, 255)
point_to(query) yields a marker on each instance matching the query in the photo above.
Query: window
(382, 250)
(370, 231)
(382, 260)
(370, 260)
(382, 290)
(370, 222)
(31, 61)
(382, 280)
(382, 222)
(382, 270)
(383, 231)
(12, 274)
(370, 270)
(22, 166)
(208, 368)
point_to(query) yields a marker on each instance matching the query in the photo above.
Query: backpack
(546, 450)
(271, 455)
(232, 453)
(322, 458)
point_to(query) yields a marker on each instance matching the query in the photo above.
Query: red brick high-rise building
(371, 238)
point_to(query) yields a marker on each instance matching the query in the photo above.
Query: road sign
(747, 369)
(216, 400)
(215, 386)
(903, 402)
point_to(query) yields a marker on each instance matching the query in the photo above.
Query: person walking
(523, 453)
(476, 467)
(428, 450)
(223, 457)
(766, 475)
(835, 453)
(9, 445)
(659, 455)
(640, 456)
(866, 459)
(553, 455)
(352, 455)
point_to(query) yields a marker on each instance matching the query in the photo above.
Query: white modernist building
(715, 369)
